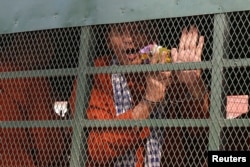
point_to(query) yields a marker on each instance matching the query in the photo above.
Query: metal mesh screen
(59, 105)
(26, 95)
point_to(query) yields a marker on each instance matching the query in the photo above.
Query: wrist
(151, 99)
(150, 102)
(187, 76)
(143, 109)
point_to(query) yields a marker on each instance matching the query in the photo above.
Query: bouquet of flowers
(147, 52)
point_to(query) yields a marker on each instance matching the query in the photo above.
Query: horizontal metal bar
(236, 123)
(125, 69)
(227, 63)
(150, 67)
(168, 67)
(39, 73)
(129, 123)
(147, 122)
(167, 123)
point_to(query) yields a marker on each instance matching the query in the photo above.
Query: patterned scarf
(122, 98)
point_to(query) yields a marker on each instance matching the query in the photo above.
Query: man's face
(125, 40)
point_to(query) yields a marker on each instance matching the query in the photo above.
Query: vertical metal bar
(216, 108)
(78, 140)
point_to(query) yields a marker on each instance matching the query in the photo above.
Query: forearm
(140, 111)
(192, 79)
(197, 88)
(143, 109)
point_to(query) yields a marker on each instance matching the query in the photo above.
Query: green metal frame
(29, 15)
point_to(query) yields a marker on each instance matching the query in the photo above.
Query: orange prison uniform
(106, 144)
(27, 99)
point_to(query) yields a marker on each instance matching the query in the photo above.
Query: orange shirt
(15, 98)
(28, 99)
(109, 143)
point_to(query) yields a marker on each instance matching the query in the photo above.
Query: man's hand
(156, 87)
(190, 50)
(157, 81)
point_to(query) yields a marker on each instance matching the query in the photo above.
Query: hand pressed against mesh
(190, 50)
(190, 47)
